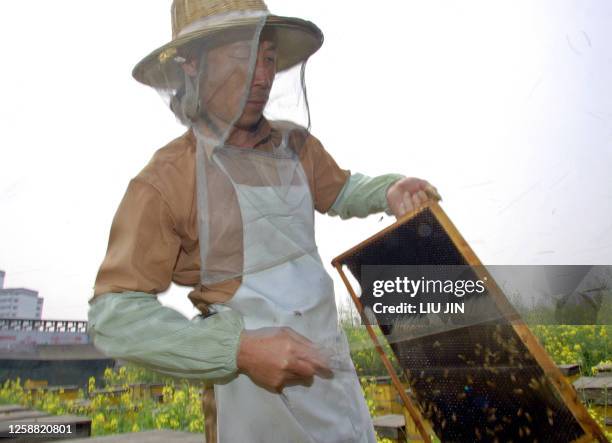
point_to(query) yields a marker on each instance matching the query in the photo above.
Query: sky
(506, 107)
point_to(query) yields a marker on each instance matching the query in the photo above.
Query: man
(228, 208)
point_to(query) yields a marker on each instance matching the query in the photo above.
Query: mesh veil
(251, 124)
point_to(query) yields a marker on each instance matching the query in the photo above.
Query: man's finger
(307, 350)
(423, 197)
(300, 369)
(400, 209)
(314, 357)
(413, 185)
(433, 192)
(416, 200)
(299, 338)
(408, 204)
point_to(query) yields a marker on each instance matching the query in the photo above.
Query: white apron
(299, 294)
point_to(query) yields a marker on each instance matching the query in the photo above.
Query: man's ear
(190, 67)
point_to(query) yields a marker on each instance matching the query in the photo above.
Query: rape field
(181, 405)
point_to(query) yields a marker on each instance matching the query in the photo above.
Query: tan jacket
(154, 236)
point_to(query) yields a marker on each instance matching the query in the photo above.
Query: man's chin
(249, 124)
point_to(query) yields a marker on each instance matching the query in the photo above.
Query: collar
(262, 134)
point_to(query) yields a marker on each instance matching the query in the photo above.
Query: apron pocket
(328, 409)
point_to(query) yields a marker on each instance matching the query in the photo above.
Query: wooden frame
(564, 389)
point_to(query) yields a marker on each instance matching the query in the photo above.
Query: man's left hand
(410, 193)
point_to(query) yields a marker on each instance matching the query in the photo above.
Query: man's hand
(276, 357)
(408, 194)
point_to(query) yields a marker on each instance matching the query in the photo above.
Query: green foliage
(366, 359)
(587, 345)
(180, 409)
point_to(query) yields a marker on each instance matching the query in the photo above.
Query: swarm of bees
(495, 392)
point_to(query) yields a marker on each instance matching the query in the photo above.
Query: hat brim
(297, 40)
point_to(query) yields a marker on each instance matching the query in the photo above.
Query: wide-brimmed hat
(193, 20)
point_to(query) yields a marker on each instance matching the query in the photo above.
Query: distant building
(19, 302)
(19, 333)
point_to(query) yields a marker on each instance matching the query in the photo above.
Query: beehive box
(595, 390)
(68, 392)
(385, 397)
(603, 370)
(570, 371)
(485, 380)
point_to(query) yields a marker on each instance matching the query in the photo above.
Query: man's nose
(263, 75)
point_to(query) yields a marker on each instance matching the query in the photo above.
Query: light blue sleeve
(135, 326)
(362, 195)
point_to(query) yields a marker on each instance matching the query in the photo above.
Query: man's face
(223, 83)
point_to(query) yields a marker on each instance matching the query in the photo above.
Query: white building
(19, 302)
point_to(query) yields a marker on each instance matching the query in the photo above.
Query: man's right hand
(276, 357)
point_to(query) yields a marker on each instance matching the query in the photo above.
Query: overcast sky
(506, 107)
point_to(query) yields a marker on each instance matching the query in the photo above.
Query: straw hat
(196, 19)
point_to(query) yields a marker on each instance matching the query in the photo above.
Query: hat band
(222, 18)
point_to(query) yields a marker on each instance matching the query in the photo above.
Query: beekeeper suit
(228, 208)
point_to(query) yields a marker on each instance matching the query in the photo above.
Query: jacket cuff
(363, 195)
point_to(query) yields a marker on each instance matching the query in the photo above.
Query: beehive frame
(567, 405)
